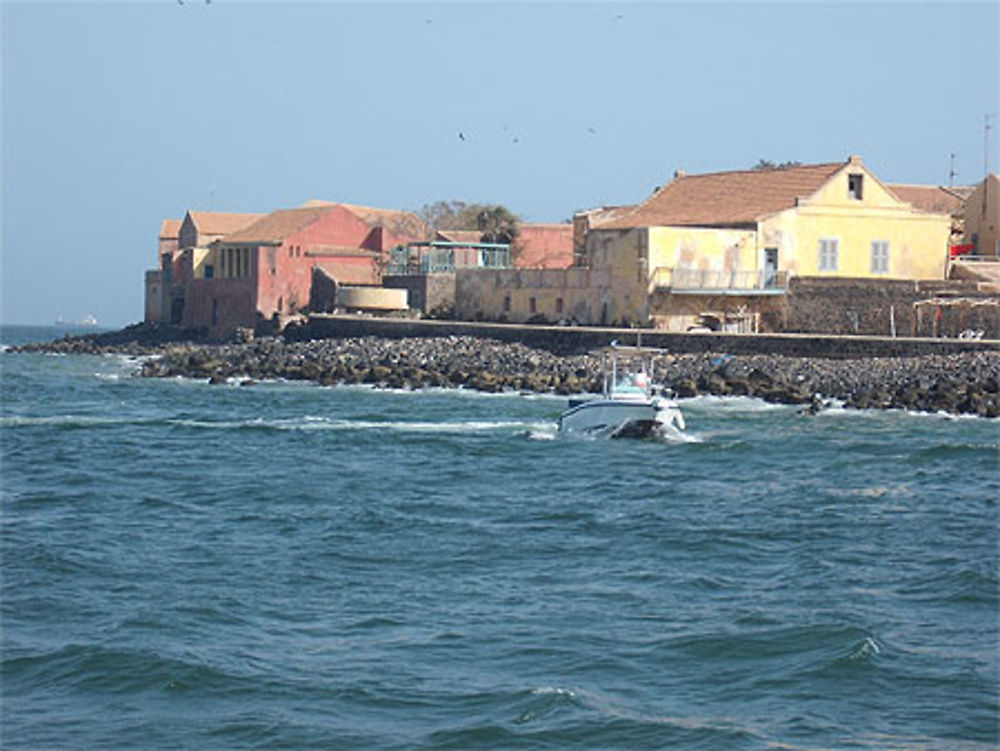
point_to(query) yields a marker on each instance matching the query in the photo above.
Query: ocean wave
(542, 435)
(110, 670)
(74, 421)
(965, 451)
(304, 423)
(960, 583)
(559, 717)
(730, 404)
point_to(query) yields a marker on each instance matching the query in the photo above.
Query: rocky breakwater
(966, 383)
(137, 339)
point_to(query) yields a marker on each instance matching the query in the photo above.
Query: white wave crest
(735, 404)
(554, 690)
(72, 421)
(310, 423)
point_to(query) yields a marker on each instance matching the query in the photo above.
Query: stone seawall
(875, 306)
(580, 339)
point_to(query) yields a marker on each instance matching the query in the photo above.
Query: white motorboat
(629, 407)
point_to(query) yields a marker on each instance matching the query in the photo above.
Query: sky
(118, 115)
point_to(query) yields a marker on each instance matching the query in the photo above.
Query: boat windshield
(635, 383)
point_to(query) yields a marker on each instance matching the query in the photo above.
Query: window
(506, 304)
(854, 186)
(532, 305)
(880, 257)
(559, 305)
(828, 253)
(209, 271)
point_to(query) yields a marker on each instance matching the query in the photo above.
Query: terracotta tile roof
(400, 223)
(726, 198)
(934, 198)
(170, 229)
(276, 226)
(217, 223)
(597, 217)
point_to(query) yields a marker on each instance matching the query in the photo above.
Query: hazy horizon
(117, 116)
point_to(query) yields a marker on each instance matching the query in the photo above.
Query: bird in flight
(461, 136)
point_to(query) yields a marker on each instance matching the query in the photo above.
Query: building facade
(717, 250)
(264, 272)
(982, 218)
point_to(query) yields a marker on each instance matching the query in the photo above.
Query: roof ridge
(763, 171)
(927, 185)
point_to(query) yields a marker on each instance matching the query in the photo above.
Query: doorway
(770, 266)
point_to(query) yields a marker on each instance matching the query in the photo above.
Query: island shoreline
(963, 382)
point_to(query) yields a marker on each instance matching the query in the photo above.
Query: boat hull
(611, 418)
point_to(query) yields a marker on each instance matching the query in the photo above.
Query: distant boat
(88, 320)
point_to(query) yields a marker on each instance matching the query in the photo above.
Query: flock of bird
(461, 135)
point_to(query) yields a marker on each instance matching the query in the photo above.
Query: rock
(685, 388)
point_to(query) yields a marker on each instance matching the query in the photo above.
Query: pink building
(265, 270)
(544, 246)
(169, 236)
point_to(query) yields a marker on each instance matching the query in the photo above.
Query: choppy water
(290, 566)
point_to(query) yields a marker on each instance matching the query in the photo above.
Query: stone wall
(431, 294)
(871, 307)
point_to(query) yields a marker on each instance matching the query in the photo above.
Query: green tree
(496, 222)
(767, 164)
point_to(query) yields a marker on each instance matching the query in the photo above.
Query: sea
(288, 566)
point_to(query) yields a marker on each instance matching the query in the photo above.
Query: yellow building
(719, 248)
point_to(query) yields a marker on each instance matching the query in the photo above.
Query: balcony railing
(716, 280)
(969, 258)
(444, 257)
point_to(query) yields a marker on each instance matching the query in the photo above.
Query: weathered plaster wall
(623, 255)
(545, 246)
(219, 305)
(703, 249)
(575, 294)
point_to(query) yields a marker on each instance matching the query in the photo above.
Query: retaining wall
(575, 339)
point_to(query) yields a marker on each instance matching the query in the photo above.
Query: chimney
(854, 159)
(678, 173)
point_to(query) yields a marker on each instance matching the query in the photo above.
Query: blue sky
(118, 115)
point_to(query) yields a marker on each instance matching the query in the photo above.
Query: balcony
(688, 281)
(445, 257)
